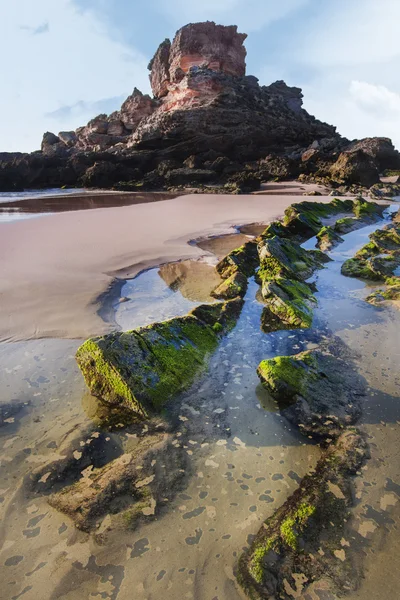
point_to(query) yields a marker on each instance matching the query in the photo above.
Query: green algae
(285, 376)
(377, 259)
(143, 369)
(293, 525)
(328, 238)
(233, 286)
(289, 300)
(391, 293)
(256, 566)
(358, 267)
(243, 259)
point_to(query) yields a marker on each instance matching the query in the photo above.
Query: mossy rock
(328, 238)
(379, 296)
(364, 209)
(243, 259)
(284, 258)
(386, 240)
(235, 285)
(317, 390)
(346, 224)
(273, 229)
(360, 268)
(143, 369)
(296, 539)
(304, 219)
(290, 301)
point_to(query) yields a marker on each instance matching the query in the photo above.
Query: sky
(65, 61)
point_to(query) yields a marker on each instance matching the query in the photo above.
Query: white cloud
(249, 15)
(376, 99)
(74, 62)
(353, 32)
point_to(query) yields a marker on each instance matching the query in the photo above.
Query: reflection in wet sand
(18, 208)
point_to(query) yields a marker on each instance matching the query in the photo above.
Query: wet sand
(54, 269)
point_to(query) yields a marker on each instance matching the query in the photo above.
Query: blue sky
(64, 61)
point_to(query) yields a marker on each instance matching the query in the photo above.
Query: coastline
(57, 269)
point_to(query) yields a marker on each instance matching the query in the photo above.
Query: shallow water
(243, 457)
(40, 203)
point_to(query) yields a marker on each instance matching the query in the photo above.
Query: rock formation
(207, 124)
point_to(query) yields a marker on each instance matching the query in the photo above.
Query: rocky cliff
(207, 123)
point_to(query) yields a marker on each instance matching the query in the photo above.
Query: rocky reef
(142, 370)
(207, 124)
(378, 259)
(304, 542)
(315, 390)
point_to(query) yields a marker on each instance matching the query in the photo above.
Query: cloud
(80, 108)
(376, 99)
(67, 70)
(43, 28)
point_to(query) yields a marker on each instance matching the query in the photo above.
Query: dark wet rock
(143, 369)
(130, 488)
(289, 304)
(328, 238)
(304, 537)
(279, 257)
(233, 286)
(390, 293)
(378, 259)
(9, 410)
(82, 449)
(244, 260)
(284, 267)
(355, 166)
(207, 115)
(303, 219)
(317, 390)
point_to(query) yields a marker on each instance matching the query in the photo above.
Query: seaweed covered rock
(235, 285)
(243, 260)
(303, 219)
(127, 489)
(328, 238)
(289, 303)
(317, 390)
(142, 369)
(279, 257)
(390, 293)
(302, 542)
(378, 259)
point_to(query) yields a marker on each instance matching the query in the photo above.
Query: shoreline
(57, 270)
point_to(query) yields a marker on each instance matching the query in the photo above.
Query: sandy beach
(53, 269)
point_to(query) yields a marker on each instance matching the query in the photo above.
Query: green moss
(217, 327)
(293, 525)
(358, 267)
(102, 377)
(367, 251)
(285, 369)
(143, 369)
(344, 225)
(256, 567)
(289, 300)
(243, 259)
(363, 208)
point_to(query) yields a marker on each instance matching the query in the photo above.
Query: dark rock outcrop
(209, 115)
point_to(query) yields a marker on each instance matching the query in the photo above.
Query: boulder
(317, 390)
(355, 166)
(141, 370)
